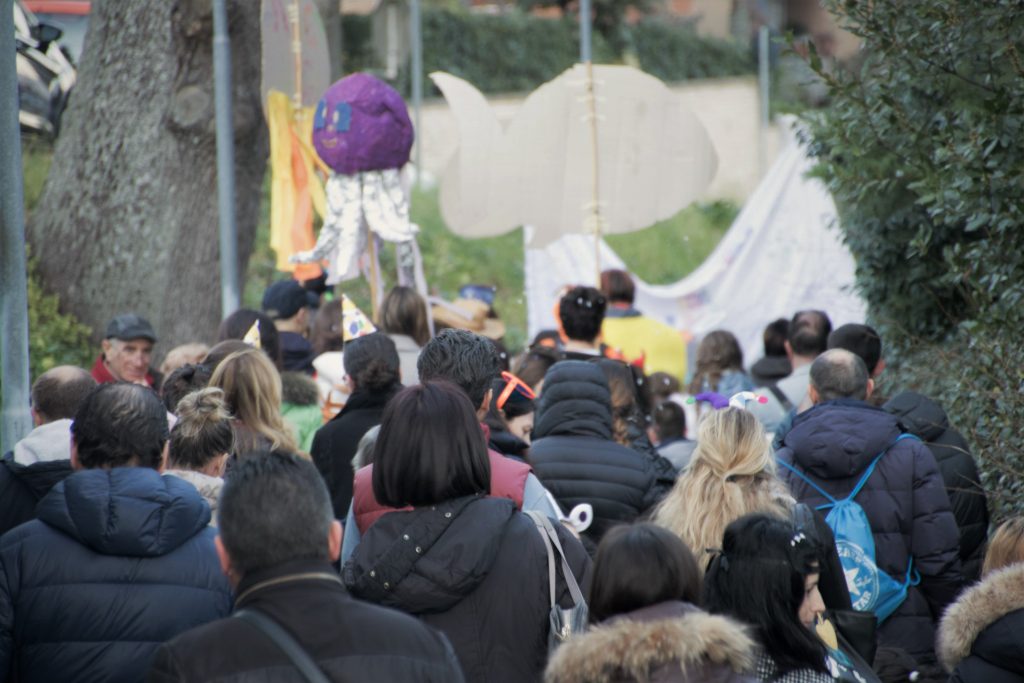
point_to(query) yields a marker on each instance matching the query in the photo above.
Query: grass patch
(671, 249)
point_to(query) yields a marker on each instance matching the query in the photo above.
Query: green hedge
(672, 51)
(516, 52)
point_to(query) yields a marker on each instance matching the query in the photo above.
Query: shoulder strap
(871, 468)
(570, 580)
(860, 484)
(537, 520)
(780, 395)
(809, 481)
(284, 641)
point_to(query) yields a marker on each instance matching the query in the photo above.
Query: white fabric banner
(782, 254)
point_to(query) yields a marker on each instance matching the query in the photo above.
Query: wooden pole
(595, 200)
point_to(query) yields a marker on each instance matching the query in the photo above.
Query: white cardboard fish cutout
(654, 157)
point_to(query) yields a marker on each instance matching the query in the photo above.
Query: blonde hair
(252, 389)
(1006, 546)
(731, 474)
(185, 354)
(203, 430)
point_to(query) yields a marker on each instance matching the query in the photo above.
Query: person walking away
(119, 559)
(468, 564)
(277, 540)
(645, 622)
(43, 457)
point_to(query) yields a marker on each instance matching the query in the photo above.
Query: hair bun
(203, 408)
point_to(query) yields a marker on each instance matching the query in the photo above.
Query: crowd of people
(415, 503)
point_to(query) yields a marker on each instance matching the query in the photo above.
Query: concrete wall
(728, 108)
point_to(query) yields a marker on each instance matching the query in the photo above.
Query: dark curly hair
(463, 358)
(372, 363)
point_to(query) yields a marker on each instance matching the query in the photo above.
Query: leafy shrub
(55, 338)
(672, 51)
(920, 149)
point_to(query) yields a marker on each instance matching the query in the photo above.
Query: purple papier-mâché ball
(362, 124)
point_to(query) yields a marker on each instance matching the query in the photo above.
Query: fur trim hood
(997, 595)
(633, 646)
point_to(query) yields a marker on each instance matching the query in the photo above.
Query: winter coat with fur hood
(980, 635)
(671, 642)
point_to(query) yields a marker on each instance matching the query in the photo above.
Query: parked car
(45, 73)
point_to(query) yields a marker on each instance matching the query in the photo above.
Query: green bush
(672, 51)
(55, 338)
(517, 52)
(920, 148)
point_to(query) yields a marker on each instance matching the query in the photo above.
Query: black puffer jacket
(926, 419)
(22, 487)
(905, 501)
(335, 443)
(574, 456)
(477, 570)
(980, 636)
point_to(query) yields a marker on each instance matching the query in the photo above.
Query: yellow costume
(662, 347)
(295, 189)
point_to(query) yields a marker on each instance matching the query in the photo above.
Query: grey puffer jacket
(905, 501)
(926, 419)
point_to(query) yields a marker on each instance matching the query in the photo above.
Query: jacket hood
(1000, 593)
(575, 402)
(299, 389)
(127, 511)
(40, 477)
(45, 443)
(631, 646)
(839, 439)
(428, 559)
(919, 414)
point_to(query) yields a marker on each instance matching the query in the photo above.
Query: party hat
(252, 337)
(354, 322)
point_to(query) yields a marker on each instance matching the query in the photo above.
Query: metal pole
(765, 84)
(416, 46)
(229, 297)
(14, 371)
(586, 55)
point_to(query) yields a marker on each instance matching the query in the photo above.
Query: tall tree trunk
(128, 218)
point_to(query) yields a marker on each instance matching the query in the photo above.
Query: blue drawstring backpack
(871, 589)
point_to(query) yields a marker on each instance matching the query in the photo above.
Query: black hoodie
(926, 419)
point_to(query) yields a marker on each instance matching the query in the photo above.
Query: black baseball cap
(130, 326)
(284, 299)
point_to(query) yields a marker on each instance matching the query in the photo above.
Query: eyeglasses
(513, 383)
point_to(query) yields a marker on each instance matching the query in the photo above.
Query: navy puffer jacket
(574, 456)
(905, 500)
(117, 562)
(924, 417)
